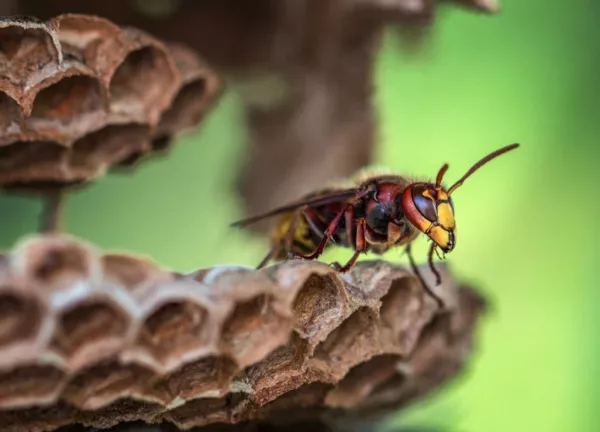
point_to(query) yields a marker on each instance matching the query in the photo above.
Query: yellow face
(431, 210)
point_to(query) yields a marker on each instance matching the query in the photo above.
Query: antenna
(440, 175)
(478, 165)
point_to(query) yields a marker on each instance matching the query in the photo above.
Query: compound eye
(424, 204)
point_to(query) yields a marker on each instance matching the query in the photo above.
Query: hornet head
(430, 209)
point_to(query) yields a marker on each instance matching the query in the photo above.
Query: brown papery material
(104, 338)
(78, 95)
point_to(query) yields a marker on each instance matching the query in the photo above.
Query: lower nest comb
(100, 339)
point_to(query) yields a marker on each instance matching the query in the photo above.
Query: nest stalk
(51, 216)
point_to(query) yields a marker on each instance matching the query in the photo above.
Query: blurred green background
(527, 227)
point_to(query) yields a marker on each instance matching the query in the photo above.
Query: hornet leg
(327, 235)
(266, 259)
(438, 277)
(361, 245)
(416, 271)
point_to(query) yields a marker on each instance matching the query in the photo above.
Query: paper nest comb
(99, 339)
(79, 95)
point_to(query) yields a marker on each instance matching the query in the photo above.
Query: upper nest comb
(79, 94)
(99, 339)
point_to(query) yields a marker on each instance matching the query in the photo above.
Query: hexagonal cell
(67, 108)
(26, 45)
(209, 377)
(56, 263)
(10, 116)
(89, 331)
(29, 385)
(404, 312)
(353, 342)
(253, 329)
(100, 385)
(280, 372)
(27, 162)
(93, 152)
(159, 145)
(187, 108)
(13, 39)
(361, 380)
(87, 32)
(319, 306)
(132, 272)
(138, 85)
(174, 329)
(20, 318)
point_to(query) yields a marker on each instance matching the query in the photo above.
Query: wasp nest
(79, 95)
(100, 339)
